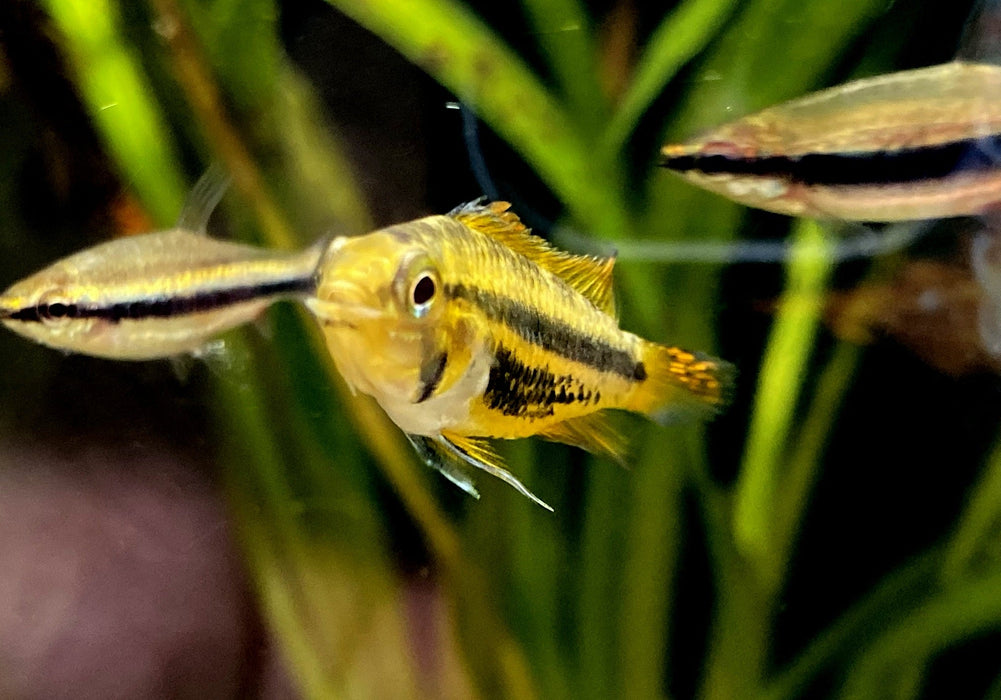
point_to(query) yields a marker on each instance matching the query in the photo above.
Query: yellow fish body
(467, 326)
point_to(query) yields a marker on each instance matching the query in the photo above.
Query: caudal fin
(679, 383)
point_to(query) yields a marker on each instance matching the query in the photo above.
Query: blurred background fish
(918, 144)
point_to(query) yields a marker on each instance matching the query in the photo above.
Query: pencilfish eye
(54, 310)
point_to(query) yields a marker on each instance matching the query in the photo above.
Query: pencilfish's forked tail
(678, 382)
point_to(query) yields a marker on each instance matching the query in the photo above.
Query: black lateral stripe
(163, 307)
(430, 376)
(855, 167)
(549, 333)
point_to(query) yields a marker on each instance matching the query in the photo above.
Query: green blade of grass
(894, 595)
(959, 612)
(119, 97)
(598, 601)
(567, 39)
(780, 382)
(752, 59)
(649, 559)
(678, 38)
(448, 41)
(974, 543)
(805, 454)
(314, 543)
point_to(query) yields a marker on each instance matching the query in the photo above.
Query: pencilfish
(915, 144)
(466, 326)
(158, 294)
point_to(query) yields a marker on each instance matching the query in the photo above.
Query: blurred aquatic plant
(586, 603)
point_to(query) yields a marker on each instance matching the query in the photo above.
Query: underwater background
(243, 527)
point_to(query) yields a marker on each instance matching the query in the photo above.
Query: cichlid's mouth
(340, 314)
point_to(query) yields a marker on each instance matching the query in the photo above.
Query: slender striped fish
(917, 144)
(157, 294)
(466, 326)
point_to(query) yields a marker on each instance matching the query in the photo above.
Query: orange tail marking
(678, 382)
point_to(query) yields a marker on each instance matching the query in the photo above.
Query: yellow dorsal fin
(588, 274)
(593, 433)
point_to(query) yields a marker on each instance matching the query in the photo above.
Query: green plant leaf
(681, 35)
(448, 41)
(118, 95)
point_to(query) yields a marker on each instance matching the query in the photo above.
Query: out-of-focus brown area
(931, 307)
(119, 578)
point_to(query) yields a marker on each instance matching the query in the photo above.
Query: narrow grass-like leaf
(205, 97)
(324, 573)
(238, 34)
(538, 560)
(974, 543)
(567, 39)
(680, 36)
(780, 383)
(994, 691)
(896, 594)
(118, 96)
(773, 51)
(649, 560)
(448, 41)
(956, 613)
(805, 454)
(598, 600)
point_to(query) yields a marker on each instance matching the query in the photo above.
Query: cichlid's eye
(417, 285)
(422, 293)
(424, 289)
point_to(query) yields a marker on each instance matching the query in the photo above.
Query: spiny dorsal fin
(593, 433)
(590, 275)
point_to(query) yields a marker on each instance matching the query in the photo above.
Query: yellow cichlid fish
(467, 326)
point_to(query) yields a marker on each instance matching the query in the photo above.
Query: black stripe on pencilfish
(515, 389)
(883, 167)
(159, 307)
(550, 334)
